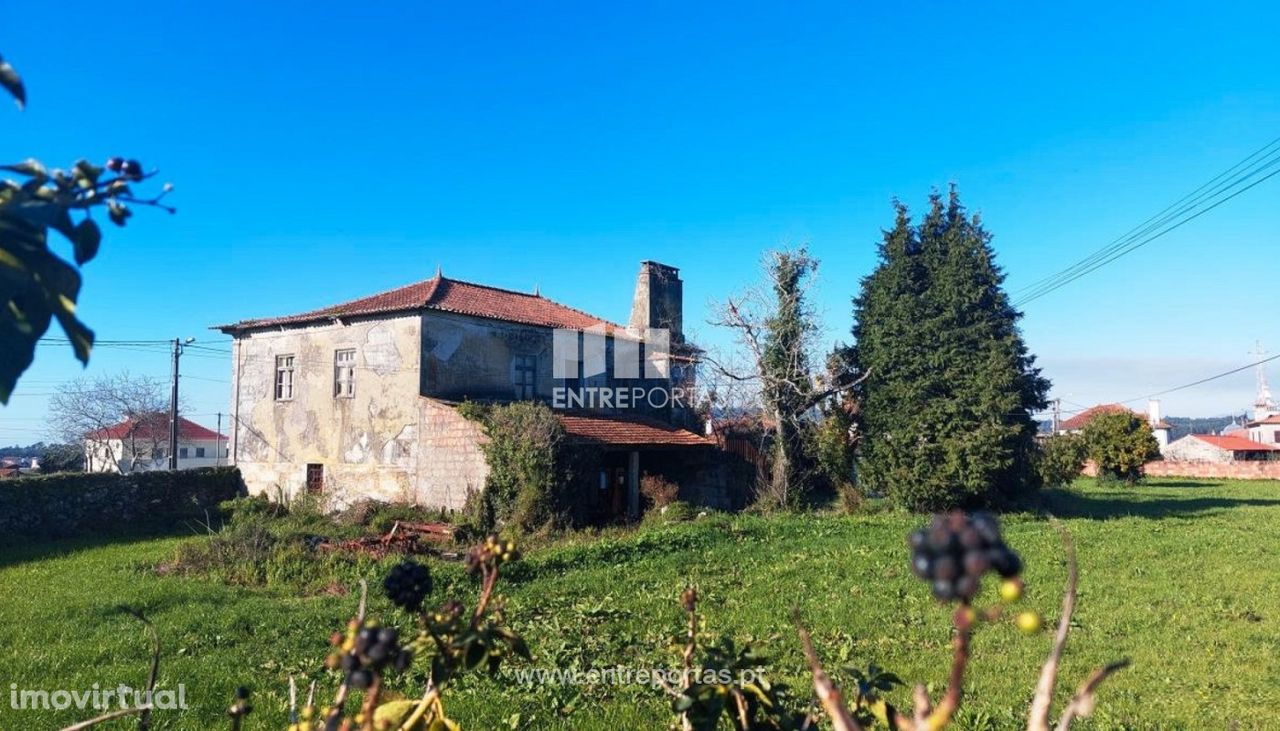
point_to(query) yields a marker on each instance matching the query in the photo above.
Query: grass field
(1182, 577)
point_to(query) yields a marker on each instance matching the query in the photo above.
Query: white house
(141, 444)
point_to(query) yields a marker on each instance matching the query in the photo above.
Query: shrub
(1119, 444)
(677, 511)
(1060, 459)
(659, 491)
(524, 442)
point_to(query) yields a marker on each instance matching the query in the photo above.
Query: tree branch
(1038, 719)
(828, 694)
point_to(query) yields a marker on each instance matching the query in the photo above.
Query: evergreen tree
(946, 404)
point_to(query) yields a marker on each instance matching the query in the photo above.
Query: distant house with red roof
(358, 399)
(140, 444)
(1159, 427)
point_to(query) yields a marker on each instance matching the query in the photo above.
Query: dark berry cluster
(370, 651)
(407, 585)
(956, 549)
(131, 169)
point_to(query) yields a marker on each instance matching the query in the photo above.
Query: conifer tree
(945, 408)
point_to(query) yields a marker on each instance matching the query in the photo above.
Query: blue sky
(322, 151)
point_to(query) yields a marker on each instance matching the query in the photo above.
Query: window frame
(285, 375)
(524, 376)
(347, 367)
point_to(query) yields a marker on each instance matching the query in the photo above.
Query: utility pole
(217, 447)
(1057, 414)
(173, 403)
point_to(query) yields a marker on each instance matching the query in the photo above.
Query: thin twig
(828, 693)
(1038, 718)
(340, 698)
(1082, 703)
(108, 716)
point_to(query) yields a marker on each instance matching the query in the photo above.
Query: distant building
(1219, 448)
(141, 444)
(1159, 427)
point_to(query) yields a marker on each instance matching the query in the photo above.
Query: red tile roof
(1084, 417)
(154, 426)
(629, 431)
(1273, 419)
(447, 295)
(1233, 443)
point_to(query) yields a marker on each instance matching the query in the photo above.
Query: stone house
(1219, 448)
(358, 400)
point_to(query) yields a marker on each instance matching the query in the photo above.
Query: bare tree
(776, 331)
(83, 412)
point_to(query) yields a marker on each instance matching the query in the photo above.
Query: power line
(1151, 229)
(1137, 230)
(1224, 374)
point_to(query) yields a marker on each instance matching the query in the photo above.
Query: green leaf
(87, 239)
(35, 288)
(10, 80)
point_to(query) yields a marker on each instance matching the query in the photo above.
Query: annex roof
(628, 431)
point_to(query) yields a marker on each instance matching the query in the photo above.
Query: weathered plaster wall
(472, 357)
(367, 444)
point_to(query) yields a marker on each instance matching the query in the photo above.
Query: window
(199, 452)
(524, 374)
(284, 377)
(182, 452)
(344, 373)
(315, 479)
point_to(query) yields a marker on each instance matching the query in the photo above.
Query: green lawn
(1182, 577)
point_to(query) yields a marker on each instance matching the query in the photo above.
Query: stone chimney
(659, 300)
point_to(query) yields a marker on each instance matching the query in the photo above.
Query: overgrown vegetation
(608, 600)
(945, 407)
(1119, 443)
(777, 327)
(534, 480)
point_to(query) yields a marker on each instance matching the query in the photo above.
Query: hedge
(81, 503)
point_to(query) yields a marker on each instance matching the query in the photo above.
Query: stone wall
(451, 461)
(1243, 470)
(85, 503)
